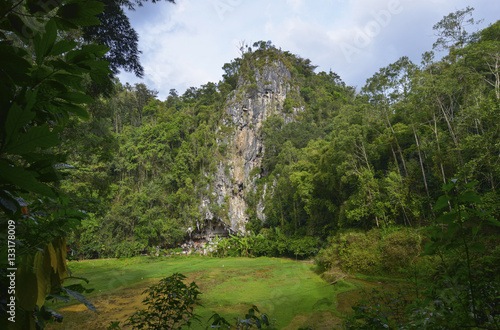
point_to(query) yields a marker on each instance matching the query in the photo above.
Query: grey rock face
(247, 108)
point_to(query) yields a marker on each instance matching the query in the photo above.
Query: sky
(186, 44)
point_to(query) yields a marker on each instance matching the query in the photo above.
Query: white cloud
(295, 4)
(186, 44)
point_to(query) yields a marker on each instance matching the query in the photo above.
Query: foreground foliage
(169, 304)
(44, 74)
(460, 289)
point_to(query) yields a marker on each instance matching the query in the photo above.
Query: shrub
(270, 245)
(380, 310)
(127, 249)
(390, 251)
(326, 258)
(250, 320)
(169, 304)
(303, 248)
(359, 252)
(399, 249)
(262, 246)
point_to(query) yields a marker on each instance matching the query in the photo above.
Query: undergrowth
(388, 252)
(451, 268)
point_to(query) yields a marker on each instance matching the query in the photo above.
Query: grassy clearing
(286, 290)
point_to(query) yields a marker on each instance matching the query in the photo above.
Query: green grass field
(288, 291)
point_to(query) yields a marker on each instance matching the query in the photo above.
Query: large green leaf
(37, 137)
(477, 247)
(7, 202)
(20, 28)
(41, 73)
(82, 14)
(78, 296)
(43, 45)
(42, 270)
(64, 24)
(60, 64)
(97, 50)
(448, 186)
(55, 86)
(451, 230)
(100, 76)
(62, 47)
(75, 97)
(448, 217)
(442, 202)
(86, 57)
(41, 6)
(68, 79)
(472, 184)
(27, 293)
(23, 179)
(12, 60)
(492, 221)
(475, 230)
(61, 249)
(99, 69)
(470, 196)
(17, 117)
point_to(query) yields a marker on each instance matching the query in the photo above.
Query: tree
(384, 89)
(451, 30)
(42, 84)
(484, 56)
(116, 32)
(231, 71)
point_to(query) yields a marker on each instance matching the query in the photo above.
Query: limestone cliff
(256, 98)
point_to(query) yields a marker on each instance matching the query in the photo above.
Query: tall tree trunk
(396, 162)
(421, 160)
(447, 119)
(281, 212)
(422, 168)
(435, 130)
(397, 142)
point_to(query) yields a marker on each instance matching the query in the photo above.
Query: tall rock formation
(257, 96)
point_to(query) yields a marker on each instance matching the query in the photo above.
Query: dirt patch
(347, 299)
(83, 260)
(318, 320)
(237, 310)
(206, 281)
(118, 305)
(263, 273)
(110, 307)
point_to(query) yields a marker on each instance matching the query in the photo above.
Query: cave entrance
(209, 228)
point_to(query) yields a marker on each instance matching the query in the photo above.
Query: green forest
(398, 178)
